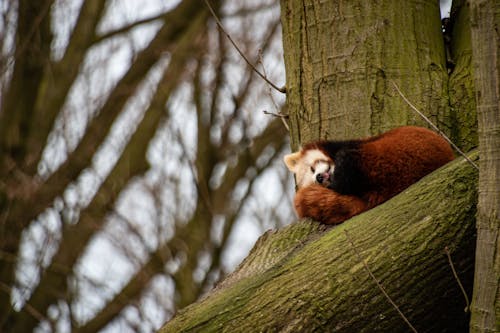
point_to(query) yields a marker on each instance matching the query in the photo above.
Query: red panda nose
(321, 177)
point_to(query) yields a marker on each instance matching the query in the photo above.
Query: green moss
(338, 60)
(463, 123)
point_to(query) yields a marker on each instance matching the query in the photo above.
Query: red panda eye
(312, 169)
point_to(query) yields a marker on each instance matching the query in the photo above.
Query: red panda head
(310, 166)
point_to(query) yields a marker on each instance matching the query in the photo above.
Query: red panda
(337, 180)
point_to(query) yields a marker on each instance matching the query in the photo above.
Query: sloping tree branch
(125, 29)
(307, 277)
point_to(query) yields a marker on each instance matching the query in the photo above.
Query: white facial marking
(323, 172)
(311, 164)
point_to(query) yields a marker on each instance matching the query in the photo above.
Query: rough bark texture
(309, 278)
(486, 46)
(341, 57)
(463, 122)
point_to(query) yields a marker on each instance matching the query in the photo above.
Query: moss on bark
(307, 277)
(463, 121)
(340, 58)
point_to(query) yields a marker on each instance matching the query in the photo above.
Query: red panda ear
(292, 161)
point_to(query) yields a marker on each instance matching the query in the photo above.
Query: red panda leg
(327, 206)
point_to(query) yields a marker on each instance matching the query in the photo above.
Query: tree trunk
(486, 46)
(463, 117)
(342, 57)
(308, 277)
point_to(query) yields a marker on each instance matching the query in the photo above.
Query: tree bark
(341, 57)
(486, 46)
(463, 117)
(308, 278)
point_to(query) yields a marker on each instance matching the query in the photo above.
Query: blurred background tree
(137, 166)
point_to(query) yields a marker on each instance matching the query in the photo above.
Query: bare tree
(131, 145)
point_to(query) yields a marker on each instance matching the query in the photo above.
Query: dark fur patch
(371, 171)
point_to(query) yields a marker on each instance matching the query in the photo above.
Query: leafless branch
(278, 114)
(200, 184)
(27, 307)
(219, 23)
(251, 10)
(10, 58)
(467, 303)
(434, 126)
(127, 28)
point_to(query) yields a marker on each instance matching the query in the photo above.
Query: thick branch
(58, 79)
(33, 38)
(303, 278)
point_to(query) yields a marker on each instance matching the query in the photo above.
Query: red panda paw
(325, 205)
(306, 201)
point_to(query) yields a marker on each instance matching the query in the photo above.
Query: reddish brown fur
(325, 205)
(391, 161)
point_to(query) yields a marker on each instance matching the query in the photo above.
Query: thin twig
(378, 283)
(219, 23)
(261, 61)
(278, 114)
(27, 307)
(201, 188)
(126, 28)
(434, 126)
(467, 304)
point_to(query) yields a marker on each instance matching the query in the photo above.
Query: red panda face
(310, 167)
